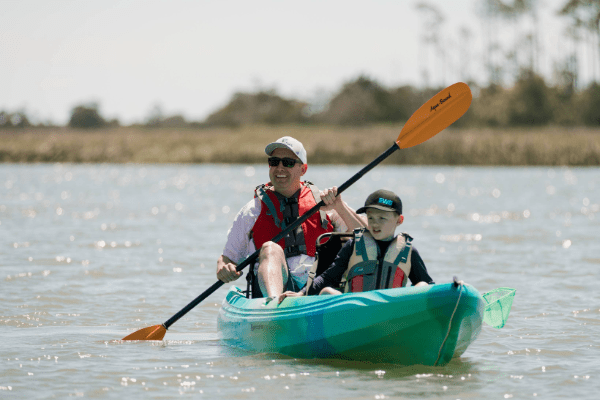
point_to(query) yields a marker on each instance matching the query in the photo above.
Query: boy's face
(382, 224)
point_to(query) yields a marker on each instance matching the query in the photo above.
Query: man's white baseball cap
(288, 142)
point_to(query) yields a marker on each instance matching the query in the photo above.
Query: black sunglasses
(287, 162)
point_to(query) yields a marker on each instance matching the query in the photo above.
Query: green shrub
(590, 105)
(13, 120)
(360, 102)
(259, 108)
(490, 107)
(529, 102)
(86, 117)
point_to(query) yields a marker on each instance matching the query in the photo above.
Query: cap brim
(272, 146)
(382, 208)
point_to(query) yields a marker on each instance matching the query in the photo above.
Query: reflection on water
(90, 253)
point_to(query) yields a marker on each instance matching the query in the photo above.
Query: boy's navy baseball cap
(382, 200)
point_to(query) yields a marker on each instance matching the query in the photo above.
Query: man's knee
(271, 250)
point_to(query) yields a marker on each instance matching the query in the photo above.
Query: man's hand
(288, 294)
(226, 270)
(331, 199)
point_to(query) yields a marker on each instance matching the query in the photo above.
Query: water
(90, 253)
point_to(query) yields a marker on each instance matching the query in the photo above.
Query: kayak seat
(327, 247)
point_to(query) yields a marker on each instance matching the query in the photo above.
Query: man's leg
(273, 272)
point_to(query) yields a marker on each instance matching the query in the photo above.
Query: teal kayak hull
(415, 325)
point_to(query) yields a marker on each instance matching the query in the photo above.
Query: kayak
(426, 325)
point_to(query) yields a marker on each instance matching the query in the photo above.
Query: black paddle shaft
(281, 235)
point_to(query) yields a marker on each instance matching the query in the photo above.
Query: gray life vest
(367, 271)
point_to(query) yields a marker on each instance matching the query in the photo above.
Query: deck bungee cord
(460, 284)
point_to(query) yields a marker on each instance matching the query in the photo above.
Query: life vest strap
(362, 268)
(403, 255)
(363, 274)
(359, 243)
(317, 195)
(264, 197)
(292, 251)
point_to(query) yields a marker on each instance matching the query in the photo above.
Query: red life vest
(272, 221)
(367, 272)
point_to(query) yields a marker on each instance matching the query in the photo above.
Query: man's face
(286, 180)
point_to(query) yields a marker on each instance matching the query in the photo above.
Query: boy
(375, 258)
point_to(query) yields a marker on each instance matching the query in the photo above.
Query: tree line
(363, 101)
(530, 102)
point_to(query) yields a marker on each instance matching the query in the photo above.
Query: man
(284, 265)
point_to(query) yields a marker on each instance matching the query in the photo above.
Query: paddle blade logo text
(436, 105)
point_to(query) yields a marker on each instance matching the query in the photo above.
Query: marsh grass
(324, 144)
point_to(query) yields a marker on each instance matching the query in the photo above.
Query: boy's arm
(349, 217)
(418, 271)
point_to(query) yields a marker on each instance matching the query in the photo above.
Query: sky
(189, 57)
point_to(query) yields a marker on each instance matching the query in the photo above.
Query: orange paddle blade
(438, 113)
(156, 332)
